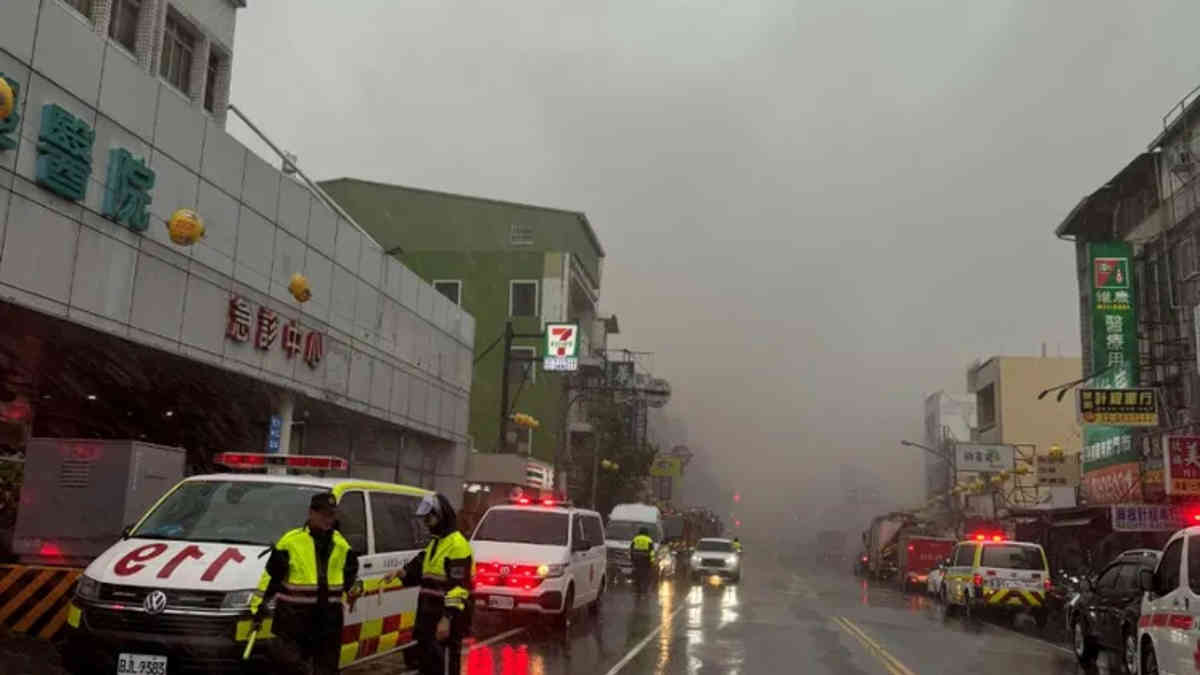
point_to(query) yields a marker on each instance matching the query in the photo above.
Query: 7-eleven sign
(562, 340)
(562, 345)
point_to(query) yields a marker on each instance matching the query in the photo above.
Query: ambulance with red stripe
(1169, 625)
(173, 595)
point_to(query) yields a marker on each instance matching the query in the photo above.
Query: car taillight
(1046, 584)
(978, 581)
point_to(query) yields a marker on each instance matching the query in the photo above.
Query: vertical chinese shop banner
(1114, 352)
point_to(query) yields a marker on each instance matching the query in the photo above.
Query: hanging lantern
(7, 99)
(186, 227)
(299, 287)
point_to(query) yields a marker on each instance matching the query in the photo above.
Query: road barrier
(34, 598)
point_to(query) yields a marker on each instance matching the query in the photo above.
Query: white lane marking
(495, 638)
(646, 640)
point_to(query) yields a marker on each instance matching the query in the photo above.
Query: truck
(879, 540)
(917, 554)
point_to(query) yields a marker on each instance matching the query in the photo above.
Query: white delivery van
(624, 522)
(173, 594)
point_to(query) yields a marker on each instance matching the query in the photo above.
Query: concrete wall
(1020, 416)
(395, 349)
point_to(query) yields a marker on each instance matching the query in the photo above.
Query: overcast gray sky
(814, 214)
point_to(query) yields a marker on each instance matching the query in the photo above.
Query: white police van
(174, 593)
(539, 556)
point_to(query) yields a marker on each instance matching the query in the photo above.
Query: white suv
(543, 557)
(1167, 629)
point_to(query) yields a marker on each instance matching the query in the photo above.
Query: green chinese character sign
(127, 195)
(1114, 362)
(64, 161)
(1114, 320)
(9, 124)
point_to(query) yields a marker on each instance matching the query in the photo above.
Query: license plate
(141, 664)
(500, 602)
(626, 570)
(1014, 584)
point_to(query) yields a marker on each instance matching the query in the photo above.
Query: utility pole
(508, 338)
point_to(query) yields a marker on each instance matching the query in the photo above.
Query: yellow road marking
(893, 665)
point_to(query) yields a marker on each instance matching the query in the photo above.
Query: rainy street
(776, 620)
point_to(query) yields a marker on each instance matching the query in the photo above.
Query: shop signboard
(1113, 484)
(1154, 488)
(1057, 471)
(562, 347)
(1146, 518)
(667, 467)
(1182, 465)
(980, 457)
(274, 432)
(1119, 407)
(1113, 340)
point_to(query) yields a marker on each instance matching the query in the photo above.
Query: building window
(520, 235)
(521, 367)
(522, 298)
(1185, 258)
(84, 7)
(451, 288)
(986, 400)
(210, 86)
(179, 43)
(123, 25)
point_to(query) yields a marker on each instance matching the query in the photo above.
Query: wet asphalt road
(778, 620)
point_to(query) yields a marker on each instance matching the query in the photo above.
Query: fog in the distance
(814, 214)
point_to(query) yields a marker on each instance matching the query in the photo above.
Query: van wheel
(1149, 660)
(594, 608)
(1085, 647)
(563, 620)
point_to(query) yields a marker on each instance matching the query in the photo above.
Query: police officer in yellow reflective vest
(737, 545)
(641, 553)
(309, 570)
(444, 571)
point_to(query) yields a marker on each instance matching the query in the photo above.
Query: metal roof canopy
(1092, 216)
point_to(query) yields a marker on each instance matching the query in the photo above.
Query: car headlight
(549, 571)
(87, 589)
(696, 560)
(237, 600)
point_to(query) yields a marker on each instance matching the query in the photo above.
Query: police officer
(641, 553)
(309, 570)
(443, 570)
(737, 545)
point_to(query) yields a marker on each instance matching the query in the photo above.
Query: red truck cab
(917, 554)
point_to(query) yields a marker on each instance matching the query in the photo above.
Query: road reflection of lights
(537, 665)
(666, 597)
(866, 596)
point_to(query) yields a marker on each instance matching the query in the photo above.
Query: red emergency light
(258, 460)
(979, 537)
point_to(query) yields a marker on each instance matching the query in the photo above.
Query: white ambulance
(173, 594)
(1169, 625)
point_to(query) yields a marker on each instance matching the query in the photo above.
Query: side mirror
(1146, 580)
(126, 531)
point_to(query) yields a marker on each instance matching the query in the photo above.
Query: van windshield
(626, 530)
(523, 527)
(235, 512)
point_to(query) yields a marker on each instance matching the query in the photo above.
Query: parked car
(1104, 613)
(933, 582)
